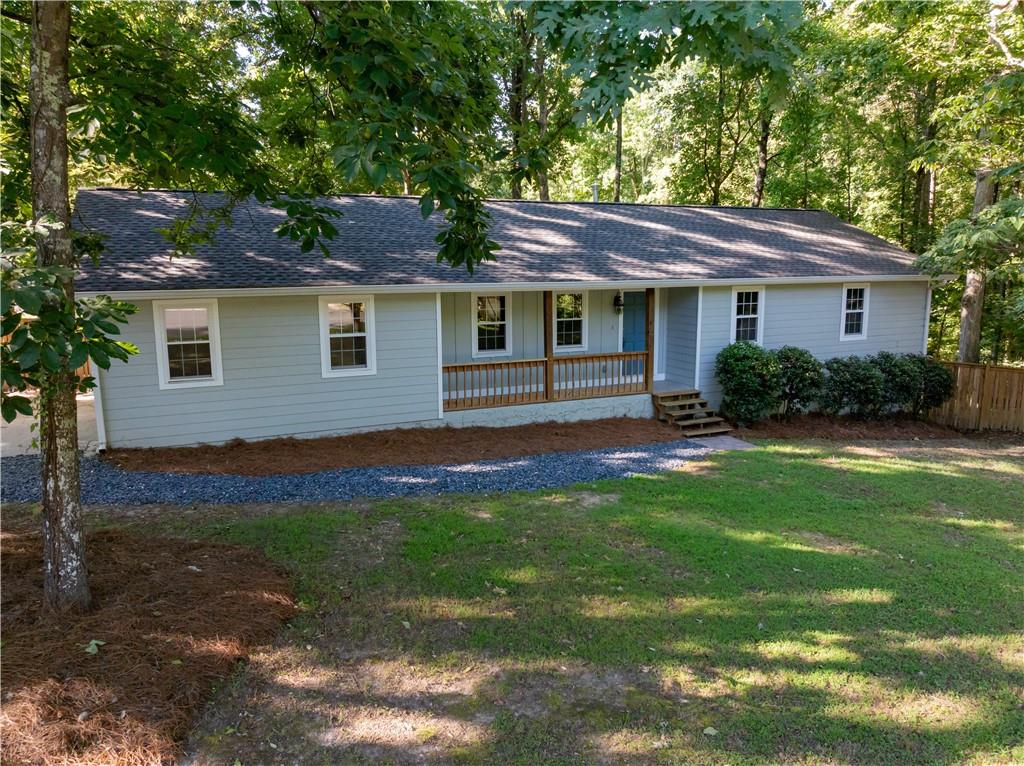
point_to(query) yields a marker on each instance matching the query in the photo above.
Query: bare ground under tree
(121, 683)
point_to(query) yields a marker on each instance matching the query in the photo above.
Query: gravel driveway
(103, 483)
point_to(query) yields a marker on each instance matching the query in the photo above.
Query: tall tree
(66, 584)
(401, 75)
(764, 132)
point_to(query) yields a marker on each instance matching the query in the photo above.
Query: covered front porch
(546, 346)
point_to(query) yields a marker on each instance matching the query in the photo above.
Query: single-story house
(589, 310)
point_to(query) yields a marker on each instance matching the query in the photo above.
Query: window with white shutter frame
(853, 322)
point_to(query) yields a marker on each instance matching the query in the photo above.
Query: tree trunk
(540, 72)
(974, 286)
(924, 184)
(618, 157)
(762, 158)
(517, 102)
(65, 584)
(716, 184)
(406, 182)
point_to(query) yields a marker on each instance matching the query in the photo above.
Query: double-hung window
(748, 314)
(490, 325)
(347, 335)
(570, 321)
(854, 320)
(187, 343)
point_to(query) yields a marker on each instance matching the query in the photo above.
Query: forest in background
(885, 114)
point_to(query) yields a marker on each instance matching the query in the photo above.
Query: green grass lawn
(793, 604)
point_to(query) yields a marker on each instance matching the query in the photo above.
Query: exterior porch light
(618, 303)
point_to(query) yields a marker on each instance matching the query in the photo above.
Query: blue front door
(634, 322)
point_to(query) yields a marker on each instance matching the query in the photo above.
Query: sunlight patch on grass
(855, 596)
(805, 651)
(527, 575)
(1002, 526)
(390, 727)
(626, 744)
(1006, 649)
(863, 697)
(428, 608)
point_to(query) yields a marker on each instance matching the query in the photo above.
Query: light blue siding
(525, 316)
(681, 346)
(272, 377)
(808, 316)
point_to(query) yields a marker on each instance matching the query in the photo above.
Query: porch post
(649, 342)
(549, 350)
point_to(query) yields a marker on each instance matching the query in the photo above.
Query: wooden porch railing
(592, 375)
(526, 381)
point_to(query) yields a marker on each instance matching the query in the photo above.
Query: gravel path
(105, 484)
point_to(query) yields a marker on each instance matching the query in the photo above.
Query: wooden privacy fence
(985, 396)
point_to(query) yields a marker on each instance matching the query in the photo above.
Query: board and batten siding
(808, 316)
(681, 305)
(525, 316)
(273, 385)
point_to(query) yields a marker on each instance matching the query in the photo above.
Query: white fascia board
(636, 284)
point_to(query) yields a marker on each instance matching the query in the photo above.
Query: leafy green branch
(45, 334)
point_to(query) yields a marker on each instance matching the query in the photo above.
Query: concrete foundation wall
(632, 406)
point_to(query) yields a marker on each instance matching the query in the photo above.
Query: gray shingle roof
(384, 241)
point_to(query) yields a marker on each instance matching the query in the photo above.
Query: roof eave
(456, 287)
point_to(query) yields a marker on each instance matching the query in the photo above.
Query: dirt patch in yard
(408, 446)
(122, 683)
(817, 426)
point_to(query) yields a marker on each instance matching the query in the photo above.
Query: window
(748, 314)
(854, 320)
(188, 343)
(346, 335)
(570, 321)
(490, 323)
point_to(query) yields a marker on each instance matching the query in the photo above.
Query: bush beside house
(757, 383)
(801, 377)
(750, 381)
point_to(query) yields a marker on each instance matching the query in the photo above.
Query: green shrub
(903, 381)
(852, 384)
(936, 384)
(749, 377)
(801, 379)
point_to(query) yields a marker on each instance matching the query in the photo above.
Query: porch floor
(670, 386)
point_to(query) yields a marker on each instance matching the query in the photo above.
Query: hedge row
(757, 383)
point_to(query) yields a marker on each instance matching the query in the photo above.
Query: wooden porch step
(672, 396)
(689, 411)
(681, 406)
(709, 431)
(707, 416)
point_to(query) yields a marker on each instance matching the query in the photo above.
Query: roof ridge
(589, 203)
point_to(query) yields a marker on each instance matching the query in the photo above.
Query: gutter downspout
(97, 406)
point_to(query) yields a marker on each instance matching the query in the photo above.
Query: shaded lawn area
(800, 603)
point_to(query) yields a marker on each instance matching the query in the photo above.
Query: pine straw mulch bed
(406, 446)
(175, 617)
(818, 426)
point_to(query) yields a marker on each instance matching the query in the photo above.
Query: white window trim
(507, 351)
(761, 290)
(863, 334)
(325, 337)
(160, 331)
(554, 321)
